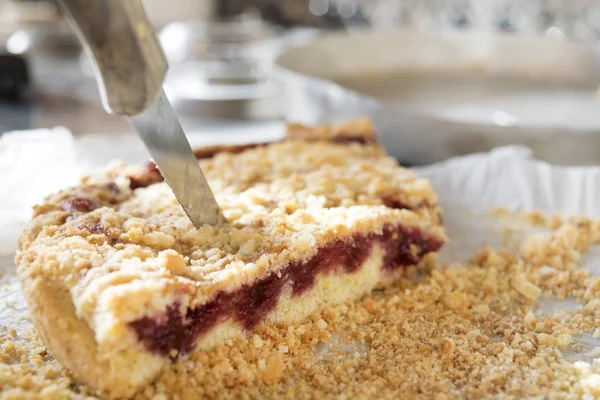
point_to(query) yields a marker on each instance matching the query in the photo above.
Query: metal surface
(224, 69)
(577, 19)
(553, 98)
(129, 63)
(62, 95)
(162, 134)
(130, 68)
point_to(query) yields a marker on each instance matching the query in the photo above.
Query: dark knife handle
(130, 64)
(14, 77)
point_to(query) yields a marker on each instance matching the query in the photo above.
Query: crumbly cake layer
(119, 281)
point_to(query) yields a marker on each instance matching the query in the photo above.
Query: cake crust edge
(72, 342)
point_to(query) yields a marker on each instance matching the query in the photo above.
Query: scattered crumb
(273, 369)
(529, 319)
(578, 347)
(447, 347)
(28, 372)
(595, 352)
(526, 288)
(465, 331)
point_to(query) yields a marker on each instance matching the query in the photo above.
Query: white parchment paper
(35, 163)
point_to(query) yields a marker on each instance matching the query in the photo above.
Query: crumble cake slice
(119, 282)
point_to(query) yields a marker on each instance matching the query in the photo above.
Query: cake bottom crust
(122, 374)
(72, 342)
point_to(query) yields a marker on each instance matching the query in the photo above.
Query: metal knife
(130, 68)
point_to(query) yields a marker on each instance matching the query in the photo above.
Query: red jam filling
(151, 177)
(353, 139)
(250, 304)
(211, 151)
(392, 201)
(112, 188)
(80, 204)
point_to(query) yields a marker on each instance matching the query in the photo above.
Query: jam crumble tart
(119, 281)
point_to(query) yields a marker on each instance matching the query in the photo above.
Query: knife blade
(161, 132)
(130, 68)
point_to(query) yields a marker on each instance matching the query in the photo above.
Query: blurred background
(439, 78)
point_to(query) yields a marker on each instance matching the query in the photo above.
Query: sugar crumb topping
(123, 249)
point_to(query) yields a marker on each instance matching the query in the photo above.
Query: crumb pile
(451, 332)
(27, 371)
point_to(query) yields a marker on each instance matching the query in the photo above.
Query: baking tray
(223, 69)
(437, 95)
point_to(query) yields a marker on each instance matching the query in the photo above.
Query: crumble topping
(357, 131)
(120, 239)
(458, 331)
(27, 371)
